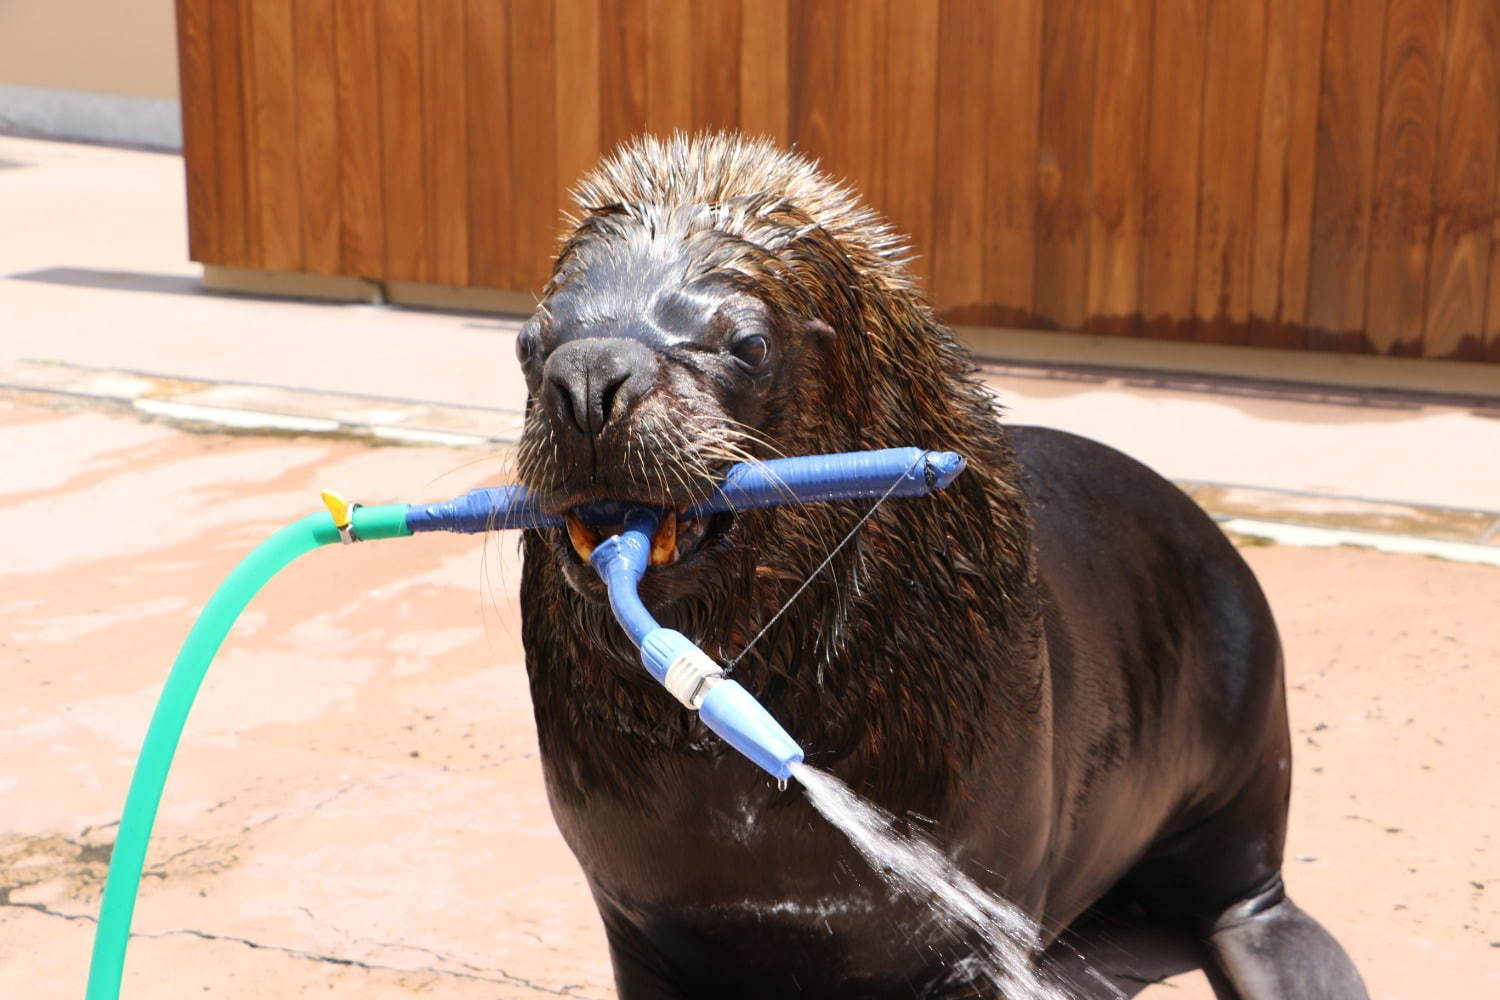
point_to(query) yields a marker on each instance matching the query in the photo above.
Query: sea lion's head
(720, 300)
(712, 305)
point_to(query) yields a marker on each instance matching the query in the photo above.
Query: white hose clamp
(690, 676)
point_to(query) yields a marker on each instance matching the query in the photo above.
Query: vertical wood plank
(361, 205)
(487, 100)
(1492, 324)
(318, 152)
(765, 56)
(1285, 172)
(244, 40)
(1348, 112)
(1169, 225)
(228, 118)
(273, 154)
(1226, 198)
(622, 71)
(1401, 212)
(1465, 192)
(964, 46)
(1119, 167)
(716, 65)
(669, 65)
(533, 145)
(1065, 162)
(195, 67)
(577, 35)
(909, 129)
(814, 80)
(1013, 81)
(856, 155)
(402, 181)
(445, 142)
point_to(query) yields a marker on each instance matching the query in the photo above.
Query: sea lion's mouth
(677, 539)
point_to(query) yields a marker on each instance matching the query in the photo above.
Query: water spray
(621, 560)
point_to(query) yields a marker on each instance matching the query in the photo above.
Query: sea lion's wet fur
(1059, 663)
(847, 670)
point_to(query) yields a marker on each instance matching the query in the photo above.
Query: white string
(824, 564)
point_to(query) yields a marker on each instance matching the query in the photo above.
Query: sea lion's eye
(752, 350)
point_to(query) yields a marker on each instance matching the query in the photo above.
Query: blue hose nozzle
(622, 559)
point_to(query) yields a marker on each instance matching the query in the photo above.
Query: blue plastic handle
(855, 475)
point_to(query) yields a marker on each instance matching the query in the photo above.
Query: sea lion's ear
(821, 333)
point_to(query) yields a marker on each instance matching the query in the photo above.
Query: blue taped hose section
(621, 561)
(849, 476)
(728, 709)
(805, 479)
(497, 508)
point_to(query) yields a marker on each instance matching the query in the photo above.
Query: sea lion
(1058, 668)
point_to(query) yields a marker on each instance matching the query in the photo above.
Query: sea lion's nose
(588, 383)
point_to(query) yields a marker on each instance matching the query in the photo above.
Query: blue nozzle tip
(744, 724)
(943, 467)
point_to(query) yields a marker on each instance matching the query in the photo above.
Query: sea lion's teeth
(581, 535)
(664, 542)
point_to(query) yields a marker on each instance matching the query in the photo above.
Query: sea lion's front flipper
(1271, 950)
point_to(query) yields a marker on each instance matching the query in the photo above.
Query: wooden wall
(1293, 173)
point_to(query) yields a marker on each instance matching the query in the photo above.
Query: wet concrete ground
(357, 808)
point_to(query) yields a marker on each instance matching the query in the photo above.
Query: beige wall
(125, 47)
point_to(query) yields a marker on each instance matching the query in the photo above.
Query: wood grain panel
(487, 98)
(277, 235)
(1119, 167)
(765, 63)
(669, 65)
(402, 166)
(1348, 116)
(859, 98)
(445, 146)
(1065, 156)
(1401, 214)
(533, 145)
(229, 141)
(361, 200)
(814, 55)
(316, 88)
(1492, 324)
(195, 68)
(964, 46)
(716, 65)
(909, 129)
(577, 34)
(1465, 194)
(1318, 173)
(1169, 224)
(1285, 172)
(1226, 193)
(1012, 114)
(622, 71)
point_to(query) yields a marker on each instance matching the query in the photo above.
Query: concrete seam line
(1309, 537)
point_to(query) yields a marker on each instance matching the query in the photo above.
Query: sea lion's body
(1059, 667)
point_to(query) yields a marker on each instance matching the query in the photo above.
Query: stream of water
(910, 864)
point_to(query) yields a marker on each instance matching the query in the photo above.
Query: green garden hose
(113, 934)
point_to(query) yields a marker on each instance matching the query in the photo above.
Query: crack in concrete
(6, 901)
(479, 974)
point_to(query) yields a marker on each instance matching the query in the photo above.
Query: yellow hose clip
(342, 512)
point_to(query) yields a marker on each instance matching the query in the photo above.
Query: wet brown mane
(899, 634)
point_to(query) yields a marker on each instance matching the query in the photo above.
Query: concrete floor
(375, 826)
(357, 809)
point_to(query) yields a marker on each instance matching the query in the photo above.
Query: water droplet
(781, 784)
